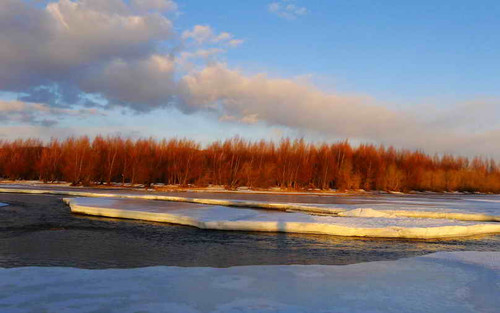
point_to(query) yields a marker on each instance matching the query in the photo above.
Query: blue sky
(415, 74)
(404, 49)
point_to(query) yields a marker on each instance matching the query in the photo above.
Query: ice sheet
(444, 282)
(228, 218)
(489, 260)
(234, 203)
(484, 208)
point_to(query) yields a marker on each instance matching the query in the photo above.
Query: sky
(413, 74)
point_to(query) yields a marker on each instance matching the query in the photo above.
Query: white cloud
(52, 43)
(285, 102)
(287, 9)
(204, 34)
(67, 44)
(154, 5)
(205, 54)
(142, 84)
(205, 45)
(235, 42)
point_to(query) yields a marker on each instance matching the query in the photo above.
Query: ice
(420, 213)
(234, 203)
(485, 200)
(459, 207)
(486, 259)
(456, 282)
(365, 213)
(485, 208)
(228, 218)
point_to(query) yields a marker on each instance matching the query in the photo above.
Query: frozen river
(53, 260)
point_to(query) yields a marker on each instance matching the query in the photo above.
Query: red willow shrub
(290, 164)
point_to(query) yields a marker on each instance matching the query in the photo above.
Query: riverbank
(222, 189)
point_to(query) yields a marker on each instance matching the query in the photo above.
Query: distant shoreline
(290, 165)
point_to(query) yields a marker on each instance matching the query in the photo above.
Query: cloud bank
(61, 57)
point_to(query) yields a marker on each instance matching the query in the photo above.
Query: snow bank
(226, 218)
(455, 282)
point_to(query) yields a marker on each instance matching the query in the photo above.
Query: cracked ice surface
(456, 282)
(227, 218)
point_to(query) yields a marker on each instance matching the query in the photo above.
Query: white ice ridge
(310, 208)
(227, 218)
(369, 212)
(484, 200)
(443, 282)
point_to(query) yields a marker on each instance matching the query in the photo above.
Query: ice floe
(458, 282)
(360, 223)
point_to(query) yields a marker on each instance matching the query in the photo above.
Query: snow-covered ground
(357, 222)
(442, 282)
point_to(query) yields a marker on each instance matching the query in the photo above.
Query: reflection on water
(39, 230)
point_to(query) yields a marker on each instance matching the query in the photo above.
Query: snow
(227, 218)
(456, 282)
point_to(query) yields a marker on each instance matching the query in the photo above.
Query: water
(39, 230)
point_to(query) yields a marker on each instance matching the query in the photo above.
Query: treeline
(290, 164)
